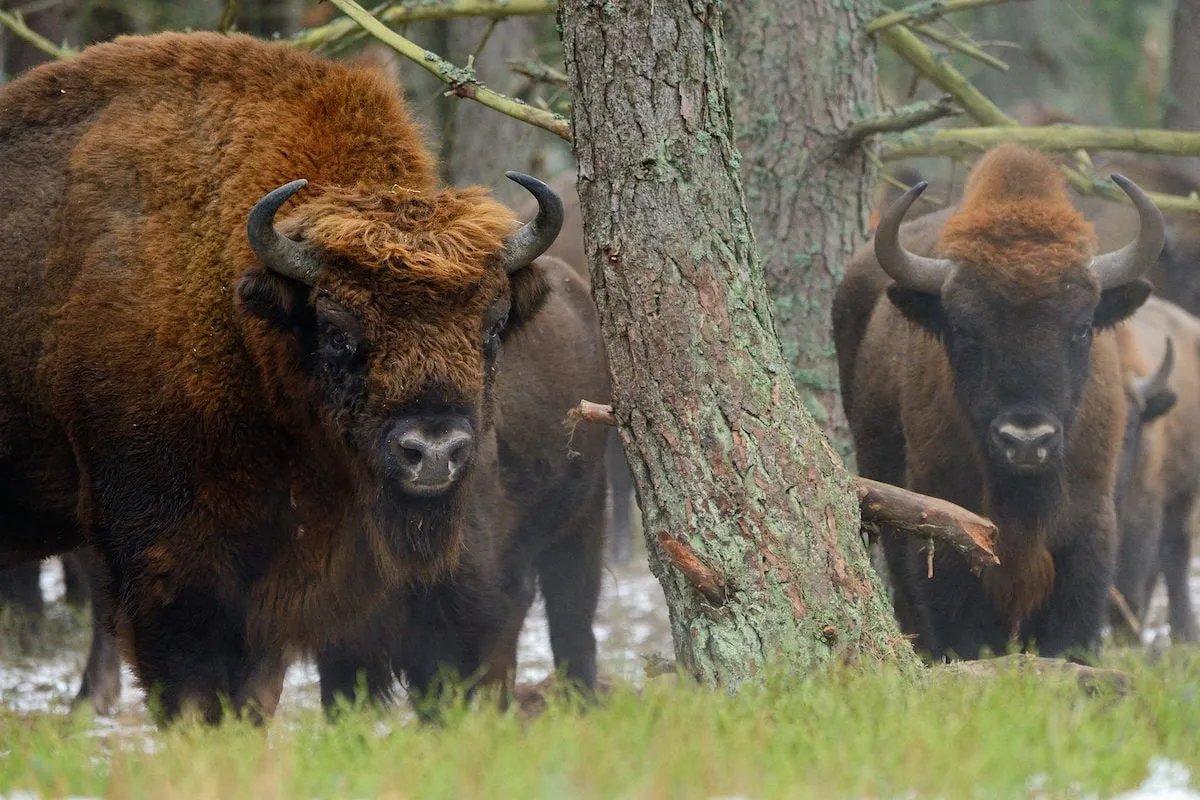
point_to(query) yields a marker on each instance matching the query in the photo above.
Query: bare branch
(16, 23)
(924, 12)
(1122, 605)
(885, 508)
(986, 113)
(462, 82)
(229, 15)
(900, 119)
(969, 142)
(699, 574)
(408, 11)
(890, 508)
(1090, 679)
(537, 71)
(962, 45)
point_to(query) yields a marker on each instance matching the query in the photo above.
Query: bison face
(392, 311)
(1017, 319)
(1019, 366)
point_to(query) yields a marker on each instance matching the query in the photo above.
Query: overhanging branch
(986, 113)
(969, 142)
(924, 12)
(462, 82)
(16, 23)
(409, 11)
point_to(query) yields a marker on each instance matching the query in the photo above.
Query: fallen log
(886, 508)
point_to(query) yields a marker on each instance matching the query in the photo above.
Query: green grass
(838, 735)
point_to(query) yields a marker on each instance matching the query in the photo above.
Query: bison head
(1017, 300)
(392, 307)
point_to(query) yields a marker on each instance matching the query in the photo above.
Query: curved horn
(1131, 261)
(536, 236)
(276, 251)
(908, 269)
(1156, 384)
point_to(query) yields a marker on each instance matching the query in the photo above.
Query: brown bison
(258, 398)
(569, 246)
(1138, 491)
(537, 520)
(977, 366)
(1160, 479)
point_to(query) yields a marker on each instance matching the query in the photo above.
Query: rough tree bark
(801, 71)
(1181, 108)
(734, 476)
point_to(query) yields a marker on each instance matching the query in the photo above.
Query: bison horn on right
(928, 275)
(276, 251)
(536, 236)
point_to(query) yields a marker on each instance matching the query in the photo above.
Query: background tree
(752, 524)
(800, 73)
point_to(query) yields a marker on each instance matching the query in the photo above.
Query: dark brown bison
(569, 246)
(259, 399)
(1160, 481)
(537, 520)
(985, 374)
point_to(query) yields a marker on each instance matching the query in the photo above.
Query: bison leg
(346, 667)
(21, 590)
(75, 579)
(1070, 624)
(1137, 559)
(1175, 554)
(101, 684)
(569, 572)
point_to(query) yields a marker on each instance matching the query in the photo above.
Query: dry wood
(699, 574)
(1126, 612)
(1091, 679)
(885, 508)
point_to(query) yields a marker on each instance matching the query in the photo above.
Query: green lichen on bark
(726, 459)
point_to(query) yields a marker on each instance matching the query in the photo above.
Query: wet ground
(631, 624)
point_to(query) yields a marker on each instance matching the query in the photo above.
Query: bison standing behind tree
(262, 425)
(986, 375)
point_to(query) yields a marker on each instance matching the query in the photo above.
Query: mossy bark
(729, 464)
(1182, 110)
(801, 72)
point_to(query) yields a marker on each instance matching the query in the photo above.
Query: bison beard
(231, 312)
(987, 374)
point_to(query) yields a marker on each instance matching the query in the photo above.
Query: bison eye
(497, 328)
(1082, 333)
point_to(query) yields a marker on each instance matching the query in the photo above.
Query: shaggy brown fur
(196, 416)
(1023, 281)
(537, 520)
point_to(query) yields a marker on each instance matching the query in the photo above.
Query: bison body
(978, 366)
(1160, 478)
(537, 520)
(258, 400)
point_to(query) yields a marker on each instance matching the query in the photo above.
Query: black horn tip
(919, 187)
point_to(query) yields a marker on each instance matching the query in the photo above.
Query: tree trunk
(1182, 108)
(479, 144)
(751, 522)
(801, 71)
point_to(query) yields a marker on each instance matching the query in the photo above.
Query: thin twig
(408, 11)
(1126, 612)
(962, 45)
(16, 23)
(462, 82)
(924, 12)
(229, 15)
(537, 71)
(903, 118)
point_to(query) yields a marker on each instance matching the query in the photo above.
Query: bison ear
(1158, 405)
(920, 307)
(530, 288)
(1120, 302)
(273, 299)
